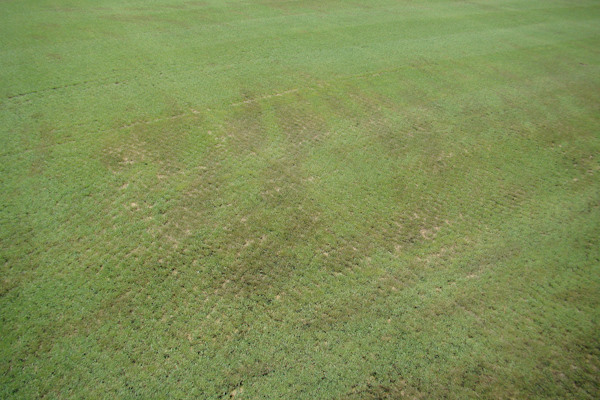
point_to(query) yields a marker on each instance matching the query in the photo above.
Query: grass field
(303, 199)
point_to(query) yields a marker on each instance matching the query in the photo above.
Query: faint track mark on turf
(268, 96)
(156, 120)
(193, 111)
(67, 86)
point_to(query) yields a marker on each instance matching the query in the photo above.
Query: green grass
(312, 199)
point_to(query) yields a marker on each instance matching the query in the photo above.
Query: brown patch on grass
(54, 56)
(160, 144)
(138, 18)
(250, 99)
(42, 149)
(394, 388)
(292, 7)
(300, 123)
(244, 132)
(257, 243)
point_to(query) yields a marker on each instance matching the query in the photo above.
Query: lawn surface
(311, 199)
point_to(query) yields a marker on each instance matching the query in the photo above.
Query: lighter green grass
(300, 199)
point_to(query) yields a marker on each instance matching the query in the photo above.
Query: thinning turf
(300, 199)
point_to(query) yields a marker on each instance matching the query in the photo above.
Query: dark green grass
(300, 199)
